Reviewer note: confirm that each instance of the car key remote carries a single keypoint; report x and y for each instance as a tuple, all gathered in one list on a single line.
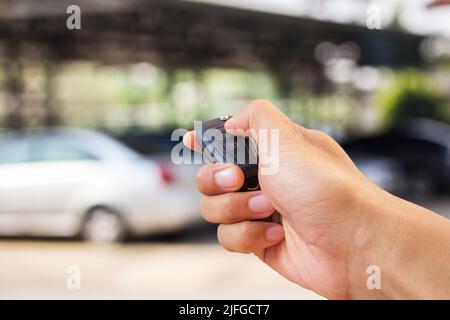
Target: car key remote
[(218, 146)]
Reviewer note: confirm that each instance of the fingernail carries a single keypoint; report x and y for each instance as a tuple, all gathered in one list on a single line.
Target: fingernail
[(275, 233), (225, 178), (259, 203)]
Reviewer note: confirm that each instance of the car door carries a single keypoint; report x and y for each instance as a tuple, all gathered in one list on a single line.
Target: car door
[(61, 165), (39, 189), (14, 159)]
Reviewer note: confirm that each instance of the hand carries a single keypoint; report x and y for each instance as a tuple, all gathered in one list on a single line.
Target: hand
[(329, 209), (314, 191)]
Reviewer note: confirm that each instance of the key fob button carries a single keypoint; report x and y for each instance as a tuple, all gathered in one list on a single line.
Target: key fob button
[(221, 147)]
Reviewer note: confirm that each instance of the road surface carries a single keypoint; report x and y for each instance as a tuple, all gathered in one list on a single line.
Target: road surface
[(186, 267), (45, 269)]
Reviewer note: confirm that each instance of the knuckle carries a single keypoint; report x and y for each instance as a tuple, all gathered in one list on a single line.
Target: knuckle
[(294, 130), (259, 104), (204, 209), (228, 207), (223, 209), (203, 179), (247, 237), (199, 177), (221, 238), (204, 171), (324, 142), (320, 135), (241, 243)]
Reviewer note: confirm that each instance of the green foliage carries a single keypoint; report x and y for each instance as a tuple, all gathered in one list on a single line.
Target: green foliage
[(412, 96)]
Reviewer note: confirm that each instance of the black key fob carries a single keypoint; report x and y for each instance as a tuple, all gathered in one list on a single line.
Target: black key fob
[(218, 146)]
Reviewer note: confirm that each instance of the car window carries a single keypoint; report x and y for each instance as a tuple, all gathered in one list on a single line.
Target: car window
[(14, 149), (58, 148)]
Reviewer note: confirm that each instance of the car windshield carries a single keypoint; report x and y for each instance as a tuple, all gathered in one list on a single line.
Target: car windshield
[(58, 148), (99, 145), (62, 144), (14, 149)]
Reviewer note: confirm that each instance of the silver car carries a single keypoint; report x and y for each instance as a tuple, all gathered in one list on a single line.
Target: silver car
[(69, 182)]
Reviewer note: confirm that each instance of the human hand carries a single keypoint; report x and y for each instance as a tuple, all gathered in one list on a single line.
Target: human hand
[(330, 211)]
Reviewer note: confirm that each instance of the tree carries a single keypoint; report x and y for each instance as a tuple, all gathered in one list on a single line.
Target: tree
[(412, 96)]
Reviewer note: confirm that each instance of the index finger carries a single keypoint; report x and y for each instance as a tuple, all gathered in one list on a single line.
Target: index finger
[(190, 141)]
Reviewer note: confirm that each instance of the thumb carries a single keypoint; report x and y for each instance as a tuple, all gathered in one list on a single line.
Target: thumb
[(270, 129), (259, 114)]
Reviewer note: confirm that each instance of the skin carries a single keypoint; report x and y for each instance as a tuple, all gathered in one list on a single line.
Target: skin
[(335, 222)]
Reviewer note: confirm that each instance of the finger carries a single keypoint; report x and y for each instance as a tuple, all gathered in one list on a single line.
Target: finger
[(260, 114), (235, 207), (249, 236), (219, 178), (190, 141), (272, 131)]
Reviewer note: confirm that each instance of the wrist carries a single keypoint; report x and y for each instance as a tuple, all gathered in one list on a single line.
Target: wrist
[(400, 243), (371, 236)]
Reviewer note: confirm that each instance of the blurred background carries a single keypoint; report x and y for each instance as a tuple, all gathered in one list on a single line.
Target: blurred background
[(91, 205)]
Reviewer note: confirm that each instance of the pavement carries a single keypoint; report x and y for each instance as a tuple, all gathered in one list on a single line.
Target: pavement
[(45, 270), (185, 266)]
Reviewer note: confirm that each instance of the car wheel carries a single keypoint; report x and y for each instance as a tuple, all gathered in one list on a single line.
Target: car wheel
[(103, 226)]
